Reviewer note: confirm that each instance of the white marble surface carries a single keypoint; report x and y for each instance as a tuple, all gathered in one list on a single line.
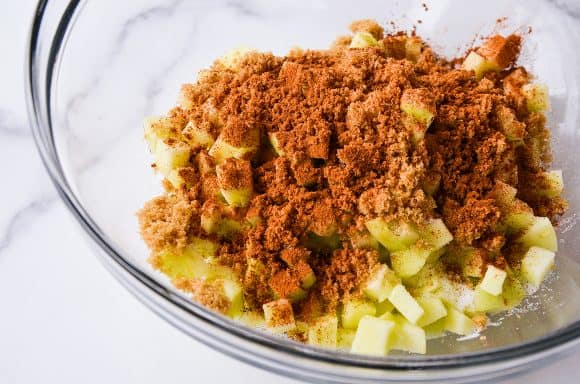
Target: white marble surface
[(64, 319)]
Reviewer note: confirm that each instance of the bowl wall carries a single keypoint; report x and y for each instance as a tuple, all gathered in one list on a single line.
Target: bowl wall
[(114, 63)]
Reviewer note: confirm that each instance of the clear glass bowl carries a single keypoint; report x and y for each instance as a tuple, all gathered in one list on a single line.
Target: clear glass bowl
[(95, 69)]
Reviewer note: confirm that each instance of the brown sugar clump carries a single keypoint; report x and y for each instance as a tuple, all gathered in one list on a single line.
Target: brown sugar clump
[(326, 140)]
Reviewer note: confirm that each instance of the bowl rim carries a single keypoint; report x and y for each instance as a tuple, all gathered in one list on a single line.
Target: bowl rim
[(38, 98)]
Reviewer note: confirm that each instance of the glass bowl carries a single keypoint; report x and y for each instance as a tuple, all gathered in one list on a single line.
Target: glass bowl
[(96, 68)]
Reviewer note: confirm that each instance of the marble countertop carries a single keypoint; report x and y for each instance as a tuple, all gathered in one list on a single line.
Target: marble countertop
[(64, 318)]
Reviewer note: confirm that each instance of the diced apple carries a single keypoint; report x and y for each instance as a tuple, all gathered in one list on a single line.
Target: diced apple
[(381, 283), (437, 234), (408, 337), (473, 263), (536, 264), (197, 137), (321, 243), (406, 304), (372, 336), (433, 308), (221, 150), (170, 157), (513, 292), (364, 240), (275, 143), (233, 292), (214, 220), (413, 47), (324, 332), (517, 221), (540, 234), (384, 307), (537, 97), (345, 338), (493, 280), (279, 316), (457, 322), (476, 63), (174, 264), (419, 104), (252, 319), (285, 284), (408, 262), (393, 236), (552, 183), (363, 40), (354, 310), (435, 330), (304, 273), (501, 51), (483, 301), (513, 129)]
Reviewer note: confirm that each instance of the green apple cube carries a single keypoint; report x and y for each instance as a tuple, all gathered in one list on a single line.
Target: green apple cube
[(345, 338), (536, 264), (437, 234), (552, 184), (275, 143), (413, 47), (354, 310), (408, 337), (304, 273), (406, 304), (493, 280), (279, 316), (419, 105), (433, 308), (197, 137), (381, 283), (175, 265), (158, 129), (364, 240), (408, 262), (237, 197), (483, 301), (540, 234), (205, 248), (324, 332), (252, 319), (513, 292), (457, 322), (213, 222), (384, 307), (513, 129), (473, 263), (504, 194), (221, 150), (431, 184), (435, 330), (372, 336), (363, 40), (233, 292), (169, 157), (518, 221), (537, 97), (321, 243), (393, 236), (480, 66)]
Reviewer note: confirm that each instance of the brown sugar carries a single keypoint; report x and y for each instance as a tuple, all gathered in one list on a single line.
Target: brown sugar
[(345, 153)]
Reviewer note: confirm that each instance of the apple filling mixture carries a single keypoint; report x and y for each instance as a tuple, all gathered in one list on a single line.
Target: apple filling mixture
[(367, 197)]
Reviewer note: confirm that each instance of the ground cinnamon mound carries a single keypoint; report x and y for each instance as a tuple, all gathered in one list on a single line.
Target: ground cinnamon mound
[(348, 157)]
